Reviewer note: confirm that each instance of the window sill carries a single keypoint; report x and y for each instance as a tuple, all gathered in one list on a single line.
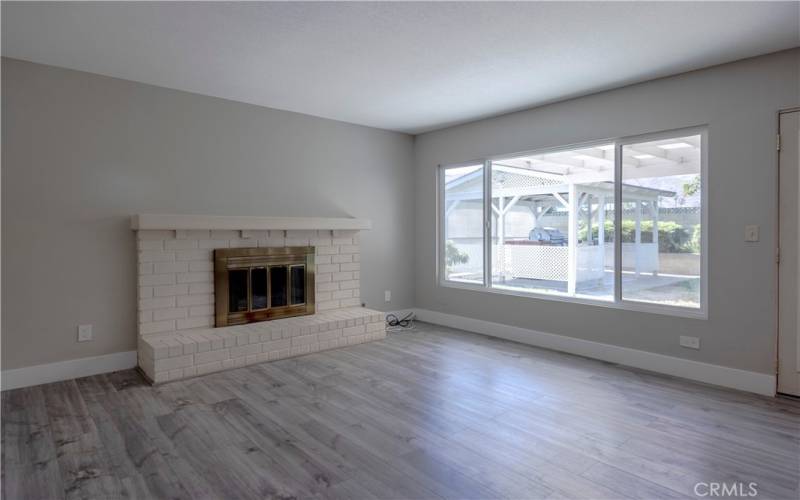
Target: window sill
[(625, 305)]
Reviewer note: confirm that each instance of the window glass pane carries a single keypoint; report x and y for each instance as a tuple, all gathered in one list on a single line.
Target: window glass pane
[(553, 223), (278, 286), (463, 224), (258, 282), (237, 290), (661, 221)]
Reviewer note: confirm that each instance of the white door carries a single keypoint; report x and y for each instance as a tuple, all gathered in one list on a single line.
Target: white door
[(788, 269)]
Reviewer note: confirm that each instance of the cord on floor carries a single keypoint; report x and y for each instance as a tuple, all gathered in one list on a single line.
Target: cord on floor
[(395, 324)]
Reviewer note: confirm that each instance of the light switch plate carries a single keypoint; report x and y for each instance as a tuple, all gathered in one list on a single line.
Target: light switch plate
[(84, 333), (387, 296), (751, 233)]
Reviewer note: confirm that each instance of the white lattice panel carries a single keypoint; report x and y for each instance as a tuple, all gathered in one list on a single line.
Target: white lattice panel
[(540, 262)]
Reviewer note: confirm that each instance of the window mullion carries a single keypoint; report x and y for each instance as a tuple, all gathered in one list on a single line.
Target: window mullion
[(441, 225), (617, 222), (487, 224)]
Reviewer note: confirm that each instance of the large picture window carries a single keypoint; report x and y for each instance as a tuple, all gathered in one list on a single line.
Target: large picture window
[(546, 223)]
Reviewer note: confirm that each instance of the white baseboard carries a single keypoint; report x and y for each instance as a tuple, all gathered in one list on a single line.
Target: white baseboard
[(83, 367), (66, 370), (759, 383), (734, 378)]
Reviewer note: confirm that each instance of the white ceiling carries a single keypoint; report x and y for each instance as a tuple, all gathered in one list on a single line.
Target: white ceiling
[(410, 67)]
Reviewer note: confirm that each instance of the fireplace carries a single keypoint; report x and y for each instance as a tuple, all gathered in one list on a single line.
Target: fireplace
[(198, 307), (260, 284)]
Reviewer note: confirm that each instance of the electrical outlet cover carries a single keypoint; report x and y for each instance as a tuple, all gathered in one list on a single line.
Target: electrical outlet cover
[(690, 342), (84, 333)]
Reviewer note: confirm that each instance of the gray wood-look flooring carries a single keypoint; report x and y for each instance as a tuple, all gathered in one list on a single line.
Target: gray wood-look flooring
[(433, 413)]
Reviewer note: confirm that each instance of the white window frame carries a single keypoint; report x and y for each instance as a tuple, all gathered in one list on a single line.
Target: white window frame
[(441, 226), (618, 302)]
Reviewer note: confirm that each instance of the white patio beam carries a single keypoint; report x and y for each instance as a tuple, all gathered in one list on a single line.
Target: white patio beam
[(511, 203), (641, 149), (555, 191), (654, 205), (682, 155), (694, 140), (500, 167), (539, 212), (452, 206), (601, 231), (572, 241), (594, 153), (577, 177), (501, 233), (561, 198), (588, 199), (562, 160), (638, 234), (464, 178), (593, 176), (658, 170)]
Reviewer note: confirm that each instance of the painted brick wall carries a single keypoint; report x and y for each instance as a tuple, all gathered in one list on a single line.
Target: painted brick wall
[(176, 272)]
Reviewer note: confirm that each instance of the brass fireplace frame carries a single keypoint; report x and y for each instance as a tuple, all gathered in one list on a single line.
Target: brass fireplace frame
[(226, 259)]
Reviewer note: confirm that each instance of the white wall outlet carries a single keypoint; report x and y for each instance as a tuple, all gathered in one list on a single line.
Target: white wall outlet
[(751, 233), (690, 342), (84, 333), (387, 296)]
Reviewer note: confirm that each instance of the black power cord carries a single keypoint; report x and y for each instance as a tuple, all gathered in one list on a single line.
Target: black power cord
[(395, 324)]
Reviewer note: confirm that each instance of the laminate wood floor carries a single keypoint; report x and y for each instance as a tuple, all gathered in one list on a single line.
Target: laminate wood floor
[(434, 413)]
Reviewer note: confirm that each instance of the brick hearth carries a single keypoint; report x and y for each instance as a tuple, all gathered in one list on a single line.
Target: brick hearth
[(177, 338)]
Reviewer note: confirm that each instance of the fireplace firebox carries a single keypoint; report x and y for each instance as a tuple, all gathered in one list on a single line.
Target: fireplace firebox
[(260, 284)]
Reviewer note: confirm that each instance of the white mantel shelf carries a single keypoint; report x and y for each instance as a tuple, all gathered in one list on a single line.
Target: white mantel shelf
[(186, 222)]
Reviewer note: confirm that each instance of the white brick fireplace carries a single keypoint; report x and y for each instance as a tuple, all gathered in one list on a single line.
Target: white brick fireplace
[(177, 338)]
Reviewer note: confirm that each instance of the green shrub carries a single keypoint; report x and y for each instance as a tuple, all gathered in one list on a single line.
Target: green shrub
[(696, 235), (454, 256), (672, 237)]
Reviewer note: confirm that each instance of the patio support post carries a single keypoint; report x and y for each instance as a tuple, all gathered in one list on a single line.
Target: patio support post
[(572, 240), (501, 235), (539, 212), (638, 234), (655, 232), (601, 232), (589, 218), (501, 210)]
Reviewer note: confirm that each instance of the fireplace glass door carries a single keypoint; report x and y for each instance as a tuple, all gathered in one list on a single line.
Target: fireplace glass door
[(259, 284)]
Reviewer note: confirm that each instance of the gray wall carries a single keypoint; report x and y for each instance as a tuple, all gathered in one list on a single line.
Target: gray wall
[(738, 101), (82, 152)]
